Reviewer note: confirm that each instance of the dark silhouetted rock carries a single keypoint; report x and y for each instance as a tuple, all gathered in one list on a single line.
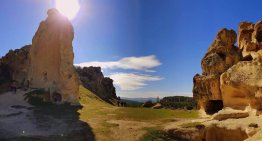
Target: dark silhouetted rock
[(93, 79)]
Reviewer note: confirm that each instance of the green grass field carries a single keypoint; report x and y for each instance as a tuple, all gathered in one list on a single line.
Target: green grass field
[(142, 114), (97, 113)]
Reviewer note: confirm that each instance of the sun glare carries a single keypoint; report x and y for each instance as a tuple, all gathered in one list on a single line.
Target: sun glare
[(68, 8)]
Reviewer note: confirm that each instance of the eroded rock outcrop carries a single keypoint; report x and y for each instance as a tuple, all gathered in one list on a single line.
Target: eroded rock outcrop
[(14, 65), (250, 38), (51, 58), (93, 79), (229, 77), (221, 55), (48, 62)]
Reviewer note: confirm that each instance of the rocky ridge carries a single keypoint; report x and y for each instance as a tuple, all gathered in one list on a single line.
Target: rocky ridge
[(93, 79)]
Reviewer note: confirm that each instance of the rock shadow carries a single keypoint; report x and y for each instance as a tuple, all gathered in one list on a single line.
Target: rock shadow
[(52, 122)]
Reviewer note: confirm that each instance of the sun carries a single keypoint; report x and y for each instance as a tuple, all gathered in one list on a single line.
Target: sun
[(68, 8)]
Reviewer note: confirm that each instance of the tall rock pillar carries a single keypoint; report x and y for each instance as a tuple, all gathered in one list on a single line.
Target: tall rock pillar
[(51, 58)]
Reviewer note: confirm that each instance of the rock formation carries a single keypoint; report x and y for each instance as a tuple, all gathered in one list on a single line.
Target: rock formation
[(93, 79), (221, 55), (51, 58), (232, 76), (14, 65), (48, 62)]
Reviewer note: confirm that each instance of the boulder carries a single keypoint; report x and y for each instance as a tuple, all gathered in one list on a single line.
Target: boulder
[(230, 114), (222, 54), (230, 74), (241, 85), (157, 106)]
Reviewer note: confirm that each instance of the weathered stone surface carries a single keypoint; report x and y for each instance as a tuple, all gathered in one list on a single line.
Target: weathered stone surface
[(51, 58), (241, 85), (207, 87), (225, 37), (227, 76), (221, 55), (230, 114), (93, 79), (244, 39), (250, 37)]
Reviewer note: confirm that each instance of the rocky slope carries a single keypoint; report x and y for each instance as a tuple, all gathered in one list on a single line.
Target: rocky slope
[(93, 79), (231, 76)]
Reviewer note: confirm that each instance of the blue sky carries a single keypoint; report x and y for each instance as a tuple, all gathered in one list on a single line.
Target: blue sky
[(149, 47)]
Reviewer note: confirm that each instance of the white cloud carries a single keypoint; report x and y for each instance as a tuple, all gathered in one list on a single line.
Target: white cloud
[(131, 81), (144, 63)]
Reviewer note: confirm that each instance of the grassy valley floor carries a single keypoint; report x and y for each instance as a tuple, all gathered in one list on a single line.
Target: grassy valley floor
[(94, 120), (127, 124)]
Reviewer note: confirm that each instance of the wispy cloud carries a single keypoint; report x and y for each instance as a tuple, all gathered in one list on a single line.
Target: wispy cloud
[(144, 63), (131, 81)]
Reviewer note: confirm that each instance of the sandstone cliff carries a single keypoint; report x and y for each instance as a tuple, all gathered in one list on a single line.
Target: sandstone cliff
[(93, 79), (232, 76)]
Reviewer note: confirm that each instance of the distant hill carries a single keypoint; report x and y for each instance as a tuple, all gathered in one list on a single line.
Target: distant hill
[(130, 103), (142, 100), (178, 102)]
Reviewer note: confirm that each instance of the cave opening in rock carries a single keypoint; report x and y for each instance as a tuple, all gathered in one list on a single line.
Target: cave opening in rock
[(213, 106), (57, 97), (259, 36), (247, 58)]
